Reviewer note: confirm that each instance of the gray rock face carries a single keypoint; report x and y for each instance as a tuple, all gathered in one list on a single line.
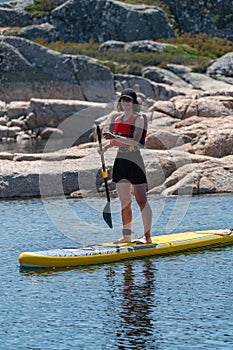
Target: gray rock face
[(222, 68), (41, 64), (197, 16), (135, 46), (84, 20), (30, 70), (14, 18), (164, 76), (45, 31), (203, 81), (169, 173), (112, 44), (145, 46)]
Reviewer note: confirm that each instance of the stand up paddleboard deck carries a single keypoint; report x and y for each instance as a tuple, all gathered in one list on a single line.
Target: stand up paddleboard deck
[(110, 252)]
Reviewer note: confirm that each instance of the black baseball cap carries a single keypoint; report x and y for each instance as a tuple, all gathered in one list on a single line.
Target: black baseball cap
[(130, 93)]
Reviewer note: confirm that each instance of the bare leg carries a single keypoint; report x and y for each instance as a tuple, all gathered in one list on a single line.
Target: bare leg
[(124, 193), (141, 198)]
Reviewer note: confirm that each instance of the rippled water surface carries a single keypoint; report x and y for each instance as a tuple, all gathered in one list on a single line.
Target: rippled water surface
[(181, 301)]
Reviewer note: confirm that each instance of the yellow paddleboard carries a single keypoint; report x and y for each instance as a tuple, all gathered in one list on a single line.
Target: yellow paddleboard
[(109, 252)]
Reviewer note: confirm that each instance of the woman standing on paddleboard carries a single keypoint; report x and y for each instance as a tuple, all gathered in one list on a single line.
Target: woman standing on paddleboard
[(129, 132)]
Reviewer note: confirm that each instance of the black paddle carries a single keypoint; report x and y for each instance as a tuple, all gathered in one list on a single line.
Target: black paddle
[(107, 211)]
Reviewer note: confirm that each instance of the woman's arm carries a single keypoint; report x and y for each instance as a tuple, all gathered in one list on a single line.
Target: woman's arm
[(105, 147)]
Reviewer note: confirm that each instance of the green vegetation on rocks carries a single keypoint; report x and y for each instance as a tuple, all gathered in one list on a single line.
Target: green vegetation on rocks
[(41, 8), (196, 52)]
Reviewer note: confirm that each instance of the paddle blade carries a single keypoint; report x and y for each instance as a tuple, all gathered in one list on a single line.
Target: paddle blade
[(107, 215)]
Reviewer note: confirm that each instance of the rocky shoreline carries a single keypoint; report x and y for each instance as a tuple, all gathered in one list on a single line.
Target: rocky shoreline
[(76, 172), (188, 147), (46, 95)]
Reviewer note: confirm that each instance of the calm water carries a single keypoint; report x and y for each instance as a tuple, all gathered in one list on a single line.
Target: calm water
[(181, 301)]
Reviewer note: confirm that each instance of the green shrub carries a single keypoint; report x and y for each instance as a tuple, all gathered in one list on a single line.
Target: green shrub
[(206, 45), (41, 8)]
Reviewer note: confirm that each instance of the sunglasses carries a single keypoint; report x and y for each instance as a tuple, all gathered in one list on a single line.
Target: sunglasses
[(126, 99)]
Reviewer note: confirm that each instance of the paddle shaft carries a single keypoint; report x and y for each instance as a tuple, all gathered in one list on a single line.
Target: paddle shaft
[(103, 162)]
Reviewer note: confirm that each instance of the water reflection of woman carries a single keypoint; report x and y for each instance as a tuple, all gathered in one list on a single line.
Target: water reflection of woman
[(137, 303)]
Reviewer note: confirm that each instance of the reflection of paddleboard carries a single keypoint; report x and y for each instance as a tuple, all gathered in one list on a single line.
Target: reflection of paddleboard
[(109, 252)]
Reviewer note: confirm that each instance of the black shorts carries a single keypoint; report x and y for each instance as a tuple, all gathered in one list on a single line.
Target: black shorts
[(129, 167)]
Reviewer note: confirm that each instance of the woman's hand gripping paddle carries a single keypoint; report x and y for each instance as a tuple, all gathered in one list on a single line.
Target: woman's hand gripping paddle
[(107, 210)]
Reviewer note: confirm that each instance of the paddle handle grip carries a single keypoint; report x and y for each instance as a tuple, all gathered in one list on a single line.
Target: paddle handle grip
[(101, 147)]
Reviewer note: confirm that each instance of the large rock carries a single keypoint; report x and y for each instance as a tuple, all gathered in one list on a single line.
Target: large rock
[(222, 68), (30, 70), (204, 126), (179, 174), (45, 31), (197, 16), (16, 109), (146, 87), (25, 176), (186, 107), (85, 20), (200, 81), (215, 143), (14, 18), (209, 136), (73, 119), (145, 46), (131, 81), (164, 76), (53, 112), (165, 139)]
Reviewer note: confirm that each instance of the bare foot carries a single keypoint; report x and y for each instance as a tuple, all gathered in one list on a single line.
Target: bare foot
[(144, 240), (124, 239)]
